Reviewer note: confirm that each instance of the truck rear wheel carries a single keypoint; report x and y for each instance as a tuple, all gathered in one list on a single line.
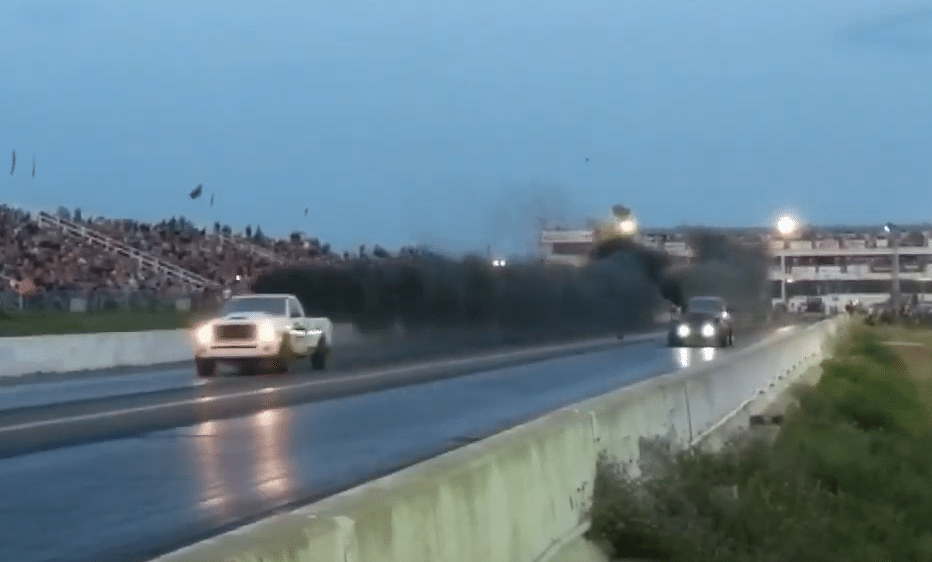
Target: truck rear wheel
[(320, 356), (205, 368)]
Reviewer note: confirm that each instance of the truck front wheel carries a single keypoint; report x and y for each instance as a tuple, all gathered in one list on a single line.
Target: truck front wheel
[(206, 368)]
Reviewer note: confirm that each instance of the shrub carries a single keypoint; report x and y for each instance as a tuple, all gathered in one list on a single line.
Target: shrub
[(848, 478)]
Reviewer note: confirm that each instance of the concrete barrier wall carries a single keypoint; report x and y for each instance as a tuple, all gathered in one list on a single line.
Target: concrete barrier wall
[(520, 495), (78, 352)]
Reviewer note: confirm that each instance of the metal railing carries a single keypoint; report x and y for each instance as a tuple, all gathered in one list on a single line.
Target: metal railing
[(144, 259), (252, 248)]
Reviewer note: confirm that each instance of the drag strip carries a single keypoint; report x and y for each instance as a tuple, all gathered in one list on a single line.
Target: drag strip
[(30, 429), (59, 388), (126, 500), (131, 499)]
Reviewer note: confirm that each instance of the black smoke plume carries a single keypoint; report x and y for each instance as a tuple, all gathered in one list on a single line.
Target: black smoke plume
[(622, 287), (728, 269)]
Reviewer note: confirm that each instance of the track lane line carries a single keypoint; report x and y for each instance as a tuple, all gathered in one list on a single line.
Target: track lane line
[(449, 363)]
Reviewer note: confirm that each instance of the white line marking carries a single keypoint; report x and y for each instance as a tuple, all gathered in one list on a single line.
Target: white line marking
[(310, 384)]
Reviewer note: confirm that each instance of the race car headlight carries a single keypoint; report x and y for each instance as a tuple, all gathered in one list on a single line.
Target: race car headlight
[(708, 330), (204, 334), (682, 331), (266, 332)]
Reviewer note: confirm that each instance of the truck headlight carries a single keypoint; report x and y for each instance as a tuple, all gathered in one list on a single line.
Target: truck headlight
[(266, 332), (708, 330), (204, 334), (683, 330)]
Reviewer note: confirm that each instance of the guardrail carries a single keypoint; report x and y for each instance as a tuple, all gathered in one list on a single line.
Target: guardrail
[(522, 494), (66, 353), (105, 300), (80, 352)]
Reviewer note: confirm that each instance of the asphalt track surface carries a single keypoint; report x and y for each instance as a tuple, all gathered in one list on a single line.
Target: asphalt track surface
[(130, 488)]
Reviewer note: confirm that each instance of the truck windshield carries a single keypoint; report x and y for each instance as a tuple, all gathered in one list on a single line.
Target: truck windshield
[(273, 306), (710, 305)]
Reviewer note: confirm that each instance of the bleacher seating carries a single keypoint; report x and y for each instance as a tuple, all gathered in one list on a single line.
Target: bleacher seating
[(58, 251), (144, 259)]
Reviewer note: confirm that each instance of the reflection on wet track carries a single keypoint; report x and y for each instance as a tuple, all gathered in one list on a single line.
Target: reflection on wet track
[(273, 472), (269, 464), (213, 492), (686, 356), (130, 499)]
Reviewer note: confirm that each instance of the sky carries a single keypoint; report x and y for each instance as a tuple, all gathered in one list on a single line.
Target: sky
[(460, 124)]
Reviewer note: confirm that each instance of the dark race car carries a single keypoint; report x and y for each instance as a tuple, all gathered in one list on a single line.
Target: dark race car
[(705, 322)]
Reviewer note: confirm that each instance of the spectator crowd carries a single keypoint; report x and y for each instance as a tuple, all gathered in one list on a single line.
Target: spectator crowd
[(39, 256)]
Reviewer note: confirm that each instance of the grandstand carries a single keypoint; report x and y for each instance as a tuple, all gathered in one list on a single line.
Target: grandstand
[(43, 252), (834, 265), (843, 264)]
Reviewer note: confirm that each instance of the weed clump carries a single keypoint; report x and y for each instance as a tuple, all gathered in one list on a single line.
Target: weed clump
[(848, 478)]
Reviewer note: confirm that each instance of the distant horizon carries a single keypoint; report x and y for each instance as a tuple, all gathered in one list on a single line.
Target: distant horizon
[(644, 230)]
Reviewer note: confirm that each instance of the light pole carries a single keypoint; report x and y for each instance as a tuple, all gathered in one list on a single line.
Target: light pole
[(785, 226), (890, 229)]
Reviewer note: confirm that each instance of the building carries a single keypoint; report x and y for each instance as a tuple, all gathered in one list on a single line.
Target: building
[(566, 247), (835, 264), (572, 246), (839, 265)]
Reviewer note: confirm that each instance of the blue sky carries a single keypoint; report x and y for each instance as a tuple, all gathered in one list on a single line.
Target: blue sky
[(459, 123)]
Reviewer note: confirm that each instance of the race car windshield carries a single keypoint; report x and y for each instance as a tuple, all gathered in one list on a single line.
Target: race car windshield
[(274, 307), (704, 305)]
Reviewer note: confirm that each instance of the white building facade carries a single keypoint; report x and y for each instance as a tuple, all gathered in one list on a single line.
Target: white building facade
[(572, 247), (844, 267), (834, 265)]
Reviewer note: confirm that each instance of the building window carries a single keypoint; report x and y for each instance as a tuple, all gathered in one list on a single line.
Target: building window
[(571, 248)]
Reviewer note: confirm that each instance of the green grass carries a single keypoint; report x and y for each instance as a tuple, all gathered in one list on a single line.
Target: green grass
[(48, 323), (849, 477)]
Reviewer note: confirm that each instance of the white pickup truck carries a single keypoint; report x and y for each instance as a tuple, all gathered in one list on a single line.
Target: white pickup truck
[(262, 332)]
